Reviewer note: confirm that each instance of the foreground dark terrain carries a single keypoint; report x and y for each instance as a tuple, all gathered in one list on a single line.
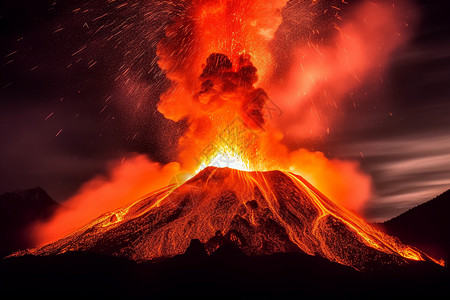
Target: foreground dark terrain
[(228, 272)]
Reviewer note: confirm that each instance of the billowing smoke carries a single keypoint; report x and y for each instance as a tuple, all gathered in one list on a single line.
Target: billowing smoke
[(204, 27), (125, 182), (324, 69), (225, 86), (220, 59), (308, 62)]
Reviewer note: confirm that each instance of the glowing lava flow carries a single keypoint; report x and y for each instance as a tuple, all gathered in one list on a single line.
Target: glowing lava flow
[(262, 212), (371, 237)]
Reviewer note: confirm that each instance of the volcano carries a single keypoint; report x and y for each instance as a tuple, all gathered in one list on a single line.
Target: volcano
[(260, 212)]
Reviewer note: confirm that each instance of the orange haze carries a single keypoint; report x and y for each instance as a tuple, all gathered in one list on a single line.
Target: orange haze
[(125, 182), (323, 73)]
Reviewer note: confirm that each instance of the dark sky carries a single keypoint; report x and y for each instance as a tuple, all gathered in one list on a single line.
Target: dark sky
[(64, 115)]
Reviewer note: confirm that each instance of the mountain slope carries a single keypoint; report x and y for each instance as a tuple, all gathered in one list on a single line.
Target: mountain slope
[(262, 212), (426, 226)]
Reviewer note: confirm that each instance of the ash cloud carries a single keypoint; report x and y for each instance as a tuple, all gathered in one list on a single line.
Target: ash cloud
[(224, 83)]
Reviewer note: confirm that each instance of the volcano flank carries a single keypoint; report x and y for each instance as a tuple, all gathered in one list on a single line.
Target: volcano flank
[(260, 212)]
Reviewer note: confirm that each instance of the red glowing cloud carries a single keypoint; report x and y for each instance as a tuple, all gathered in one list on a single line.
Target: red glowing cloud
[(322, 73), (342, 181), (126, 181)]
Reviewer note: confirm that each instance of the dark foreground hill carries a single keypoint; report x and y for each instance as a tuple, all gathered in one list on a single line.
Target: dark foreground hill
[(226, 273), (426, 226)]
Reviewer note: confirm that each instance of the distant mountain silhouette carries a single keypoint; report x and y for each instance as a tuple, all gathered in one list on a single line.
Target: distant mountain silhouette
[(19, 210), (426, 226)]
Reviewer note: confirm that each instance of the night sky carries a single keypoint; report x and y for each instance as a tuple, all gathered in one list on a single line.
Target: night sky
[(64, 114)]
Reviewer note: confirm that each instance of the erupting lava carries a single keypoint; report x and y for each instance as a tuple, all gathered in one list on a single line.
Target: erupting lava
[(218, 57), (262, 212)]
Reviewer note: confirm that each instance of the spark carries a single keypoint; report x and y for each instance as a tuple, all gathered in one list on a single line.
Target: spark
[(80, 50), (49, 116)]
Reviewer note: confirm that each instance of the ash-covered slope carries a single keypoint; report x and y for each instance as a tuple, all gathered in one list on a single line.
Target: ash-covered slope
[(262, 212)]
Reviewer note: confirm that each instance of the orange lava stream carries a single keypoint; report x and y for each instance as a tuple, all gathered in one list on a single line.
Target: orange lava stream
[(371, 237)]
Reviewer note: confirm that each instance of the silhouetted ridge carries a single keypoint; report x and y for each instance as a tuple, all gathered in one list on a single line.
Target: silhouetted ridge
[(196, 249), (426, 226), (229, 273), (19, 210)]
